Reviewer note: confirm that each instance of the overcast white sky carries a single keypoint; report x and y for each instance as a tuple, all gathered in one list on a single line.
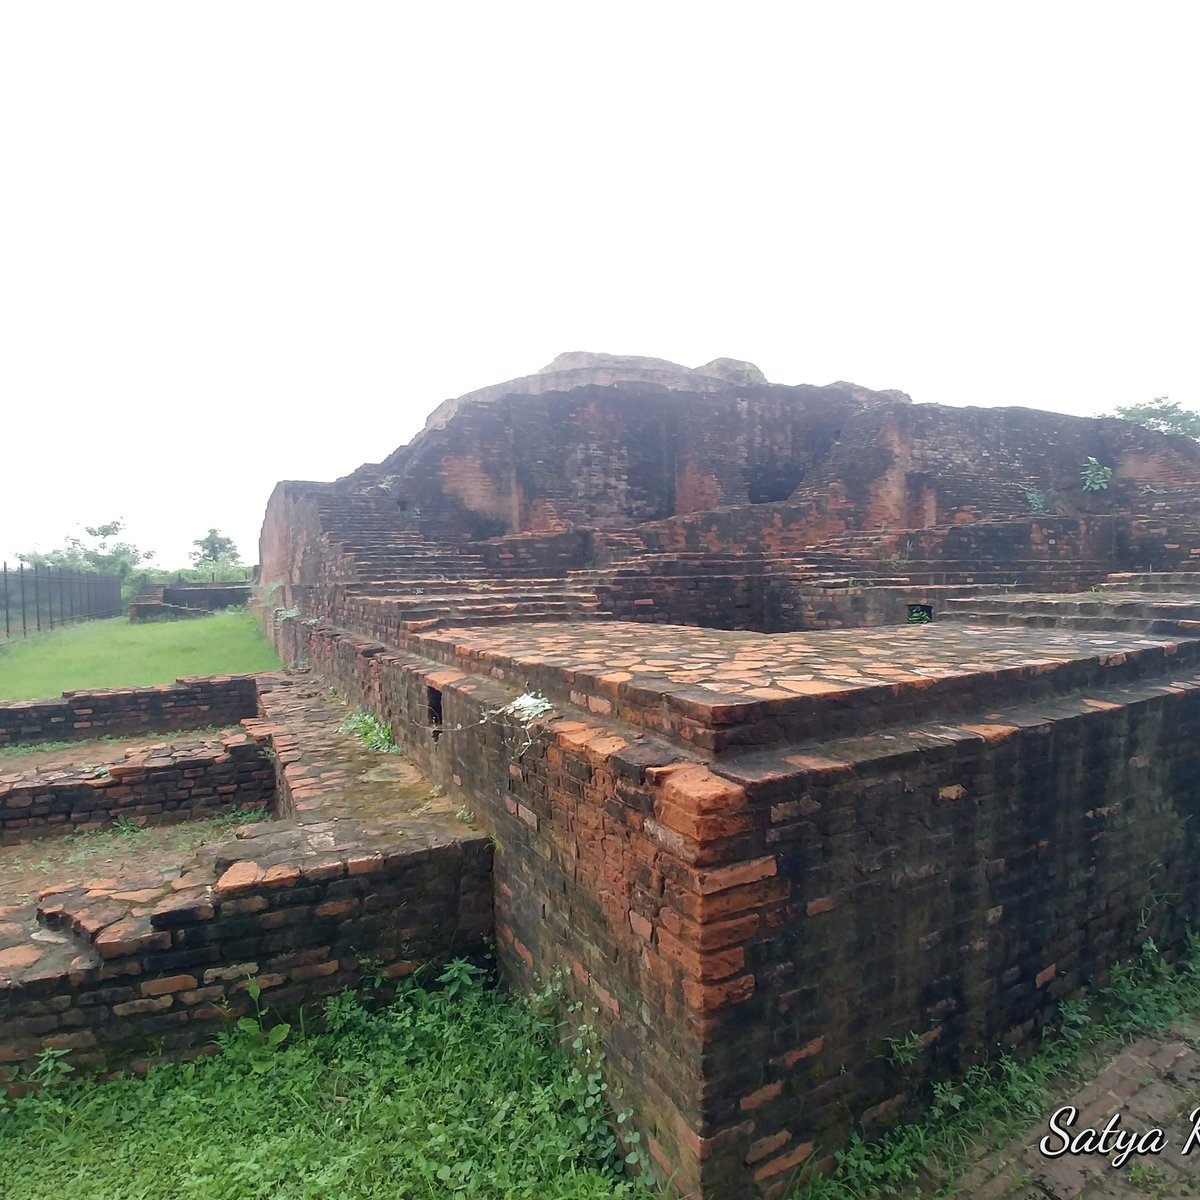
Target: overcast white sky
[(243, 242)]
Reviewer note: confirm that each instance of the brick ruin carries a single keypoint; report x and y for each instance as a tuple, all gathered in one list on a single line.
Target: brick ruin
[(769, 824), (356, 870), (651, 625), (185, 601)]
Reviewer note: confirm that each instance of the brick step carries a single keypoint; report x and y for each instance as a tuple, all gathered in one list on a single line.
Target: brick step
[(1151, 627), (405, 576), (1148, 587), (385, 624), (1044, 668), (872, 756), (385, 550), (1150, 580), (476, 603), (452, 619), (398, 600), (1086, 605), (466, 586), (416, 569), (842, 582)]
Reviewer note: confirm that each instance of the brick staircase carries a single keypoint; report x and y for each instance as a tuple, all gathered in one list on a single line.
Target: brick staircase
[(387, 579), (1150, 603)]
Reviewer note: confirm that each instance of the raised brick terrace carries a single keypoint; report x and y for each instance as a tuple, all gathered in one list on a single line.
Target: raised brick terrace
[(720, 691)]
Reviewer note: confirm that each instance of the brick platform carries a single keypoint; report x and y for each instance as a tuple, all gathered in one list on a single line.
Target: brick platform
[(759, 858)]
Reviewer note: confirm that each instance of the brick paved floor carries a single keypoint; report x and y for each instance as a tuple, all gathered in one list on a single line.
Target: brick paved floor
[(1154, 1083)]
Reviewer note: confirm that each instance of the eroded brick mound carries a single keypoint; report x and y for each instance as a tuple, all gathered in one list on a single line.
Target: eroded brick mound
[(599, 457)]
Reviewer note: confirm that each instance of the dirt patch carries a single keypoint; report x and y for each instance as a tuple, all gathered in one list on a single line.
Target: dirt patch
[(77, 858)]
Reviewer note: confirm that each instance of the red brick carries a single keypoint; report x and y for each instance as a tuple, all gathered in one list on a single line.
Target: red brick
[(713, 996), (280, 875), (763, 1095), (767, 1145), (792, 1057), (238, 878), (640, 926), (163, 987), (697, 790), (786, 1162)]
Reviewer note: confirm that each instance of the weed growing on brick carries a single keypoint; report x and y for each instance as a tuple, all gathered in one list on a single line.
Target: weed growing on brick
[(456, 1092), (995, 1100), (370, 730)]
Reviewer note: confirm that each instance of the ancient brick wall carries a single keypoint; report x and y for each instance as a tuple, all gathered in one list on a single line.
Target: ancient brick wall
[(168, 967), (548, 553), (152, 786), (785, 528), (580, 865), (718, 594), (949, 897), (187, 704), (291, 549), (910, 466), (609, 457), (209, 596)]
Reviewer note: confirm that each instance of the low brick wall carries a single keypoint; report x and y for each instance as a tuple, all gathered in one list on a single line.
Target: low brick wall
[(141, 611), (156, 786), (185, 704), (208, 596), (728, 597), (790, 605), (167, 967)]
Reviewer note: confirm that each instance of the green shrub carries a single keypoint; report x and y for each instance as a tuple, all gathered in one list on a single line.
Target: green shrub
[(1094, 477)]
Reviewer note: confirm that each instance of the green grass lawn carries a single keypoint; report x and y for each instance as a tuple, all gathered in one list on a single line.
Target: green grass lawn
[(116, 653), (459, 1092)]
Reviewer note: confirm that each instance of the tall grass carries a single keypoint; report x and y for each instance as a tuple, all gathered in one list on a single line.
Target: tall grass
[(458, 1092)]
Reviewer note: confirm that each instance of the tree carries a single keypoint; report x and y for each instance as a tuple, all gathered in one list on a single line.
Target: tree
[(213, 549), (105, 555), (1163, 415)]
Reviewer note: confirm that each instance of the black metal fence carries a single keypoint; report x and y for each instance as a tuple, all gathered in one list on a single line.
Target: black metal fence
[(37, 598)]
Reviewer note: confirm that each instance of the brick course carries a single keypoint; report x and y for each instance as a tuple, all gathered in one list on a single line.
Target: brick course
[(185, 704), (156, 785)]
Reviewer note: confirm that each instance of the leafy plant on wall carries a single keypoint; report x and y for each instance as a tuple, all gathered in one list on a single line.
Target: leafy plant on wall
[(1093, 476)]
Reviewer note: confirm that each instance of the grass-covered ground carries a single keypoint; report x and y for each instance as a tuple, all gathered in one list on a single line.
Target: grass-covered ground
[(454, 1092), (460, 1091), (116, 653)]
